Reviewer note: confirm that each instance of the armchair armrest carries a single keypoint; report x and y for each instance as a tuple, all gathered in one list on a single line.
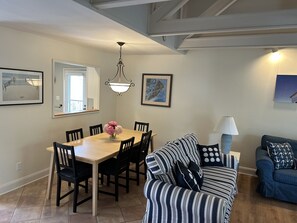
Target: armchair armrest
[(169, 203), (265, 170), (230, 161), (264, 163)]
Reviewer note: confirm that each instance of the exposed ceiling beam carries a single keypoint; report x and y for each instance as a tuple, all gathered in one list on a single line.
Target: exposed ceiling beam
[(167, 10), (107, 4), (277, 20), (267, 40), (218, 7)]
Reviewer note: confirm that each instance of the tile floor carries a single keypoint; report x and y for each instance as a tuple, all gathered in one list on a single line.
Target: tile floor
[(28, 204)]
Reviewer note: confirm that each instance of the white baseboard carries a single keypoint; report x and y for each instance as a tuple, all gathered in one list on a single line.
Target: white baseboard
[(247, 170), (15, 184)]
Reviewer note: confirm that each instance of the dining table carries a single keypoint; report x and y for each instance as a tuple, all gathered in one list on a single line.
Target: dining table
[(94, 150)]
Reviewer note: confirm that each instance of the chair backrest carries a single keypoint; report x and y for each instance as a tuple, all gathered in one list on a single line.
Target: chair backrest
[(96, 129), (74, 134), (144, 144), (65, 158), (141, 126), (123, 157)]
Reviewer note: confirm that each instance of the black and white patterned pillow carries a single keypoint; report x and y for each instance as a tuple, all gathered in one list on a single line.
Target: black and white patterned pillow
[(281, 154), (210, 155), (197, 172), (185, 178)]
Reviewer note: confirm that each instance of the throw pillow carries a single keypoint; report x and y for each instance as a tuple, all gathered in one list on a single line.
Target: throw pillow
[(197, 172), (185, 178), (210, 155), (281, 154)]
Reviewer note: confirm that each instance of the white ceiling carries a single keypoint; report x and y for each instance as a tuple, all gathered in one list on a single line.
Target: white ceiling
[(178, 24), (70, 21)]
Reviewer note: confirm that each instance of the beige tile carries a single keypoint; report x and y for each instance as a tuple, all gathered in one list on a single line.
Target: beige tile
[(110, 215), (80, 218), (26, 214), (6, 215), (54, 211), (59, 219), (133, 213), (31, 201)]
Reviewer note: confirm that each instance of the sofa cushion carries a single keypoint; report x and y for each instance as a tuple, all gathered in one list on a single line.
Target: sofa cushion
[(281, 154), (269, 138), (221, 174), (188, 145), (197, 172), (161, 162), (210, 155), (185, 178), (286, 176)]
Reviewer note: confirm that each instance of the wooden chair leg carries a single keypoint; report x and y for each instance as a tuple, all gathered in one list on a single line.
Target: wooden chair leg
[(58, 191), (86, 186), (127, 180), (75, 195), (108, 180), (137, 173), (145, 170), (116, 187)]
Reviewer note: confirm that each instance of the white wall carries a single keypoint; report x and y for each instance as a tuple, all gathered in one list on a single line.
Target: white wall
[(208, 84), (27, 130)]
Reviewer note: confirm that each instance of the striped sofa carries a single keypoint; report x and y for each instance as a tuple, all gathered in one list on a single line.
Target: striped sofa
[(167, 202)]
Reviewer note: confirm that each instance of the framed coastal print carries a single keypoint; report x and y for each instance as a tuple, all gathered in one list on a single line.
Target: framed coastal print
[(20, 87), (156, 89), (286, 88)]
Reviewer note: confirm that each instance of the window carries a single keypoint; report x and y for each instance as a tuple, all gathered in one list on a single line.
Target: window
[(75, 90)]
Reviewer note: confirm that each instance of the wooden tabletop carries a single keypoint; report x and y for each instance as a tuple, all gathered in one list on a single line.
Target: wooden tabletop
[(98, 148)]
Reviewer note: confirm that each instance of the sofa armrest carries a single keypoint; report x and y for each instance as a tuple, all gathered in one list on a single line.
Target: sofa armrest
[(264, 163), (265, 170), (169, 203), (230, 161)]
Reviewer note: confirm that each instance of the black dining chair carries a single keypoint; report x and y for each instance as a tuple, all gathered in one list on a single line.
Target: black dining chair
[(74, 134), (96, 129), (141, 126), (68, 169), (138, 155), (116, 166)]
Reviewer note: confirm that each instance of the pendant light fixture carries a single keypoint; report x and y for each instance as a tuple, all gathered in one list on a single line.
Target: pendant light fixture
[(119, 83)]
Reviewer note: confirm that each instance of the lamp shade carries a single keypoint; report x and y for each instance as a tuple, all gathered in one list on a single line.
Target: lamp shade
[(227, 126)]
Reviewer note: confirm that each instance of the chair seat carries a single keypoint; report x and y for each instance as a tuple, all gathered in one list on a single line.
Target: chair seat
[(108, 166), (286, 176), (83, 172)]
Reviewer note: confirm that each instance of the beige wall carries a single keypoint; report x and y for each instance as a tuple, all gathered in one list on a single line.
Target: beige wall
[(208, 84), (26, 130)]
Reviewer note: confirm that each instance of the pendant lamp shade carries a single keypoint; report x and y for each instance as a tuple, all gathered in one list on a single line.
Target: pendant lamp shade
[(119, 83)]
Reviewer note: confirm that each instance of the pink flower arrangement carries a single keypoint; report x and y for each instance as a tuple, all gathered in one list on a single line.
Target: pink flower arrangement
[(112, 128)]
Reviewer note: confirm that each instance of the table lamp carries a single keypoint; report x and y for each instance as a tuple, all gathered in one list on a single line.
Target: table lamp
[(228, 128)]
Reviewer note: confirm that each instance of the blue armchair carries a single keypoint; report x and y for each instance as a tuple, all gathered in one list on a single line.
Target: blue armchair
[(279, 184)]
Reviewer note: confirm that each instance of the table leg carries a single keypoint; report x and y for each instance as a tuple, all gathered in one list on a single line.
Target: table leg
[(95, 189), (50, 177)]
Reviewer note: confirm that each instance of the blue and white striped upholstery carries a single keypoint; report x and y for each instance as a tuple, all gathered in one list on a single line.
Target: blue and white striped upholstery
[(188, 144), (220, 190), (168, 203), (161, 162), (229, 161), (221, 174)]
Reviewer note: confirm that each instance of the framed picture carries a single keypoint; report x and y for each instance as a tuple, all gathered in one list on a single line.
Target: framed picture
[(156, 89), (21, 86), (286, 88)]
